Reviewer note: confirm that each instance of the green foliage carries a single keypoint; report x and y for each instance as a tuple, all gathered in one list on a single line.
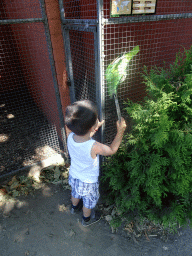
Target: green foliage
[(151, 174), (116, 72)]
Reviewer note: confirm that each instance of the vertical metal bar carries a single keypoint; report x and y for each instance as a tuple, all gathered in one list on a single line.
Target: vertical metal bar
[(69, 64), (66, 39), (99, 45), (97, 79), (52, 62), (62, 11)]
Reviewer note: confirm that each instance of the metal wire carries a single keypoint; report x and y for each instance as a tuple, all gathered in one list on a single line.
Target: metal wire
[(163, 7), (82, 51), (150, 18), (29, 118), (160, 36), (20, 9), (80, 9), (159, 42)]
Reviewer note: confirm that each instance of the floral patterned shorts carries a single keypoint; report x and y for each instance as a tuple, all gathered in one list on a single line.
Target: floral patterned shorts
[(89, 192)]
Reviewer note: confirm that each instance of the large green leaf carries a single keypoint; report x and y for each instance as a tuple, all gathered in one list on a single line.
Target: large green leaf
[(116, 72)]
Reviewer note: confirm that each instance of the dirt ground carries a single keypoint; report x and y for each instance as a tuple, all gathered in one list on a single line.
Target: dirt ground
[(40, 224)]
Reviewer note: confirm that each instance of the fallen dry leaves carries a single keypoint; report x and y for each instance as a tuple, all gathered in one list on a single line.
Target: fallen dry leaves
[(23, 185), (135, 228)]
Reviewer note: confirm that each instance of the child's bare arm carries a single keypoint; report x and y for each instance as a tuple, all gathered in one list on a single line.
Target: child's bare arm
[(104, 150)]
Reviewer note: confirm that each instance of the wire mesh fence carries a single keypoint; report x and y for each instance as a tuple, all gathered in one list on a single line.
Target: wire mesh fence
[(29, 119), (80, 9), (20, 9), (83, 59), (159, 42), (81, 53), (163, 7), (159, 36)]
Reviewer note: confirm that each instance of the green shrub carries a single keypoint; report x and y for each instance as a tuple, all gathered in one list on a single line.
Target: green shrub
[(151, 174)]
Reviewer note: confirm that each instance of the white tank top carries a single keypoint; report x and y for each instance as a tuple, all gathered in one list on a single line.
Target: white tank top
[(83, 166)]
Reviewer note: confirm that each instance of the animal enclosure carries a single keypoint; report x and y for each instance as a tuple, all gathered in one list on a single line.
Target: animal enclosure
[(30, 122), (32, 92), (94, 38)]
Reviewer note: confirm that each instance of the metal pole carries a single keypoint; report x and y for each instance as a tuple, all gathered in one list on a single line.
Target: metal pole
[(69, 67), (79, 21), (100, 88), (20, 21), (142, 18)]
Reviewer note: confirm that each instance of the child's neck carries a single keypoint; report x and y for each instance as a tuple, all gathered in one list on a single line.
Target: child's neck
[(83, 138)]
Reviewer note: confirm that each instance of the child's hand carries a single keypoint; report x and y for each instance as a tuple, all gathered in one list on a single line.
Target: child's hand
[(121, 126), (99, 125)]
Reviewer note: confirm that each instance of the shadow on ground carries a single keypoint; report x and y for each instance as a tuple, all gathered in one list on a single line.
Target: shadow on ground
[(26, 136)]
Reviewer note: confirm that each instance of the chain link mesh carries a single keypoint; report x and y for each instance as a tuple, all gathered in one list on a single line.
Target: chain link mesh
[(80, 9), (163, 7), (159, 41), (159, 36), (20, 9), (29, 120), (83, 60)]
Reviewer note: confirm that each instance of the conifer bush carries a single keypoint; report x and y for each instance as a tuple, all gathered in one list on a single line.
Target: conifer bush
[(151, 174)]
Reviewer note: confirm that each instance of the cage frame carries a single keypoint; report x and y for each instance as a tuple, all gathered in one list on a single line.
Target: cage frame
[(44, 21), (99, 23)]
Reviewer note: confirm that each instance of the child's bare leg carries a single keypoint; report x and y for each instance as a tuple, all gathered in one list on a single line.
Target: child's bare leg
[(75, 201), (89, 217), (86, 212)]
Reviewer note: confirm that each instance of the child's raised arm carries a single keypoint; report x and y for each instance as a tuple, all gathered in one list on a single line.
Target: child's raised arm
[(104, 150)]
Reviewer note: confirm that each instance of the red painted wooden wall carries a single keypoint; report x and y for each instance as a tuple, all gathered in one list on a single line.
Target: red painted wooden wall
[(30, 43)]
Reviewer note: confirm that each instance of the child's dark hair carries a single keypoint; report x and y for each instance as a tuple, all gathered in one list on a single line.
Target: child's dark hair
[(81, 116)]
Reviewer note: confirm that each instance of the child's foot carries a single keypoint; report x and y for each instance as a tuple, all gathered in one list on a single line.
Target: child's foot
[(95, 217), (77, 208)]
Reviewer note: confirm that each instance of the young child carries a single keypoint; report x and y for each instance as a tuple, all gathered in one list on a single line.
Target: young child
[(81, 119)]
